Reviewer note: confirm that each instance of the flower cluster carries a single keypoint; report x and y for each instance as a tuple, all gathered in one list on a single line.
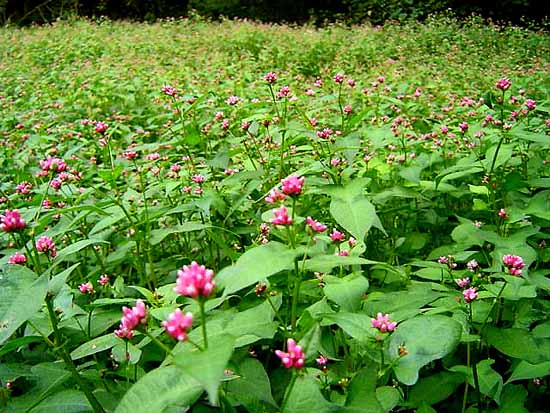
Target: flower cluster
[(470, 294), (383, 323), (293, 185), (132, 318), (281, 217), (316, 226), (17, 258), (294, 356), (11, 221), (86, 288), (46, 245), (514, 263), (503, 84), (178, 324), (195, 280)]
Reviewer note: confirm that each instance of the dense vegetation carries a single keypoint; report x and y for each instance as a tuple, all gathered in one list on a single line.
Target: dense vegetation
[(294, 219)]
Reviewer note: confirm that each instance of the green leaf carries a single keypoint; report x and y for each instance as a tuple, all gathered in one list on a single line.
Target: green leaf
[(353, 211), (76, 247), (525, 370), (426, 338), (207, 367), (306, 397), (252, 388), (158, 235), (347, 292), (357, 325), (66, 401), (513, 399), (388, 397), (325, 263), (256, 265), (95, 346), (435, 388), (362, 391), (159, 389), (21, 297), (14, 344), (490, 382), (520, 344)]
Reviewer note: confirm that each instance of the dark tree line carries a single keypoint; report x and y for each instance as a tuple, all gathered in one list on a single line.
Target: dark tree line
[(375, 11)]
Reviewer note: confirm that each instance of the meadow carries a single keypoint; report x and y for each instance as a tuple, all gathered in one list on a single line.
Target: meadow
[(242, 217)]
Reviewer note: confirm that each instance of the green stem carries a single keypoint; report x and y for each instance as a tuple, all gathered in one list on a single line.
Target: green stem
[(159, 343), (203, 323), (474, 368), (61, 349), (288, 391)]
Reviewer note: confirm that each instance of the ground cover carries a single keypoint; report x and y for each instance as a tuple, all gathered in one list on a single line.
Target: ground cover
[(294, 219)]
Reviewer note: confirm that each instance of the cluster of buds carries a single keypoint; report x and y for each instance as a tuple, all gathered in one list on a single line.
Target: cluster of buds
[(316, 226), (514, 263), (11, 221), (178, 324), (383, 323), (448, 260), (46, 245), (470, 294), (294, 356), (195, 280), (132, 318)]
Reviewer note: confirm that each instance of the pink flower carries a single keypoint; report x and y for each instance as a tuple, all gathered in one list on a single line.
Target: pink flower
[(338, 78), (131, 319), (178, 324), (103, 280), (292, 185), (469, 294), (198, 179), (463, 126), (270, 77), (46, 245), (274, 196), (343, 253), (232, 100), (503, 84), (218, 116), (472, 265), (336, 235), (281, 217), (11, 221), (152, 156), (101, 127), (284, 92), (229, 172), (383, 323), (293, 357), (462, 282), (418, 92), (530, 104), (443, 260), (56, 183), (502, 213), (53, 164), (86, 288), (195, 280), (130, 155), (169, 90), (348, 109), (315, 225), (351, 83), (225, 124), (514, 263), (321, 361), (325, 133), (23, 188), (318, 83), (17, 258), (352, 242)]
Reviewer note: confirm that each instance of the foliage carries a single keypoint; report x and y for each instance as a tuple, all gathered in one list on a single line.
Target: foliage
[(367, 207)]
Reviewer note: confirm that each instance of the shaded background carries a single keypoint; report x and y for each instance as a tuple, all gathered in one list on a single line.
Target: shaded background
[(300, 11)]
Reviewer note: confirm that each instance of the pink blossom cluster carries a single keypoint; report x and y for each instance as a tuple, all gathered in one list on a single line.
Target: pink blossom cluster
[(503, 84), (270, 77), (23, 188), (178, 324), (103, 280), (132, 318), (294, 356), (101, 127), (463, 282), (169, 90), (11, 221), (383, 323), (470, 294), (281, 217), (53, 164), (17, 258), (316, 226), (86, 288), (195, 280), (46, 245), (293, 185), (274, 196), (514, 263)]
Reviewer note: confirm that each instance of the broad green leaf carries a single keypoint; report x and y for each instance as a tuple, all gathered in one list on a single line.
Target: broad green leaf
[(388, 397), (255, 265), (58, 281), (95, 346), (520, 344), (325, 263), (66, 401), (435, 388), (158, 235), (14, 344), (306, 397), (362, 391), (76, 247), (513, 399), (347, 292), (252, 388), (162, 388), (21, 297), (357, 325), (354, 212), (490, 382), (525, 370), (440, 336), (207, 367)]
